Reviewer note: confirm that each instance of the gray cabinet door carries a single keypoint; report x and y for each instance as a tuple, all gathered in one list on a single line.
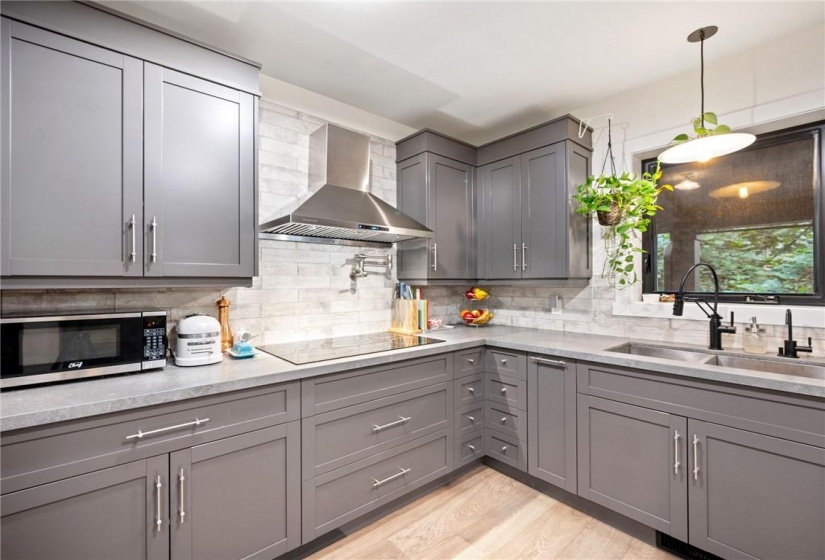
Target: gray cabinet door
[(199, 173), (72, 185), (630, 460), (237, 497), (544, 213), (501, 219), (414, 258), (111, 513), (551, 421), (451, 218), (755, 496)]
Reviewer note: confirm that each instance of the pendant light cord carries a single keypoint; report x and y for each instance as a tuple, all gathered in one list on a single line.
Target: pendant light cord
[(702, 73)]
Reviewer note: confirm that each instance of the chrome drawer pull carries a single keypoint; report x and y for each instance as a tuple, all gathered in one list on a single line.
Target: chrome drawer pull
[(471, 419), (141, 434), (524, 256), (472, 390), (555, 363), (154, 239), (158, 486), (472, 447), (503, 419), (504, 390), (515, 257), (401, 420), (504, 449), (390, 478), (695, 457), (181, 478), (676, 453), (435, 257), (503, 362), (472, 361)]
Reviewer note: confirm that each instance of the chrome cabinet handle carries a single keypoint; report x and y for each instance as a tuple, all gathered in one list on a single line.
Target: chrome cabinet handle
[(435, 256), (554, 363), (401, 420), (524, 256), (158, 486), (676, 453), (472, 447), (141, 434), (515, 257), (504, 449), (503, 362), (154, 225), (390, 478), (181, 479), (503, 419), (472, 361), (133, 226), (472, 390), (695, 457), (471, 419), (504, 390)]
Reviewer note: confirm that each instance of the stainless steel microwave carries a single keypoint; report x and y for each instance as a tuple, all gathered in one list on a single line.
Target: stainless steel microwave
[(45, 349)]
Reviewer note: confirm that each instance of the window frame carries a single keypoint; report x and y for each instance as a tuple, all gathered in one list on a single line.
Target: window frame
[(817, 131)]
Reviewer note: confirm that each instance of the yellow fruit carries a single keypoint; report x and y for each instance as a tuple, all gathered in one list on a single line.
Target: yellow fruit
[(479, 293)]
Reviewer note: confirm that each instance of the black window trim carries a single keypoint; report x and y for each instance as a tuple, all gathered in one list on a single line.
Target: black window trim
[(817, 130)]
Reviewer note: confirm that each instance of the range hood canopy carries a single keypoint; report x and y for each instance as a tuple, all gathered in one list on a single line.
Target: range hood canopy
[(339, 205)]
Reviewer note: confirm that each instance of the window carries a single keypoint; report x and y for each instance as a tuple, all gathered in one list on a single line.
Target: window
[(756, 215)]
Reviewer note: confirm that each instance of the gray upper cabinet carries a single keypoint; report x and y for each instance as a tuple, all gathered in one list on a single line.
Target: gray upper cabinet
[(551, 420), (199, 142), (755, 496), (117, 171), (72, 186), (529, 226), (438, 191), (119, 512)]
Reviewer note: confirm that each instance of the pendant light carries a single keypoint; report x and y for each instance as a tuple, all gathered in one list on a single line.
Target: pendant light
[(714, 144)]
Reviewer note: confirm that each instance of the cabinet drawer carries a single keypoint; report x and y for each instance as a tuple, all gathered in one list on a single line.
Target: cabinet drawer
[(506, 419), (340, 437), (469, 419), (506, 390), (469, 390), (785, 416), (331, 392), (469, 449), (504, 362), (468, 362), (506, 449), (45, 454), (342, 495)]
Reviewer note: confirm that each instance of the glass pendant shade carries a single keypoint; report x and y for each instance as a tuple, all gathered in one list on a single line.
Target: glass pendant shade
[(707, 147)]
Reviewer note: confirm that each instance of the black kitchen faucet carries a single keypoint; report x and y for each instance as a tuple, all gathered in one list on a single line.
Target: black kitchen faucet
[(716, 327), (790, 348)]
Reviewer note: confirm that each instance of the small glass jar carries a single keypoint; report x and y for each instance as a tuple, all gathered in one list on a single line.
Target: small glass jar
[(755, 341)]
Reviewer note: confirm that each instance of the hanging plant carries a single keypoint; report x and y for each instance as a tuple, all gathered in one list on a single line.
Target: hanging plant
[(701, 128), (624, 205)]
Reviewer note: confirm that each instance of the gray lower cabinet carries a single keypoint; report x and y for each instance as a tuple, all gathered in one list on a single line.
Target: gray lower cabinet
[(199, 177), (438, 192), (528, 225), (72, 160), (237, 497), (633, 460), (114, 513), (755, 496), (551, 420)]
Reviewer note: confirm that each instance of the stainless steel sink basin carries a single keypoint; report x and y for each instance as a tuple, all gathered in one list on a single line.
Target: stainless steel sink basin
[(785, 366), (769, 364), (695, 356)]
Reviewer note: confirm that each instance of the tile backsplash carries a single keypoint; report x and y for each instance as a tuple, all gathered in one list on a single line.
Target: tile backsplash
[(304, 290)]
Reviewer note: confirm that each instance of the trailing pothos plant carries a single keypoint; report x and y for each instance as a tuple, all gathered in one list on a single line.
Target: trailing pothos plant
[(624, 205), (701, 128)]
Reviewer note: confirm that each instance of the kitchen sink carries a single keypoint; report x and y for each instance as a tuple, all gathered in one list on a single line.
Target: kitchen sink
[(784, 366), (695, 356)]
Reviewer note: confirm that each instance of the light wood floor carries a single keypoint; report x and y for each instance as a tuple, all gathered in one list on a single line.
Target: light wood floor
[(487, 515)]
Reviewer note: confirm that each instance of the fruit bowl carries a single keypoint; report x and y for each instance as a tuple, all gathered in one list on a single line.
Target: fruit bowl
[(476, 317), (476, 294)]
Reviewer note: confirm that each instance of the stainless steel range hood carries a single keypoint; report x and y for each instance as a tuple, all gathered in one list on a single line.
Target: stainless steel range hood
[(339, 204)]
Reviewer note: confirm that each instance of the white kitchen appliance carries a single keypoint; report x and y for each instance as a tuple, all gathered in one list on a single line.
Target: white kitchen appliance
[(199, 341)]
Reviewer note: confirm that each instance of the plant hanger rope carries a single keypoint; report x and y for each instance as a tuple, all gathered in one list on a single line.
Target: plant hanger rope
[(609, 153)]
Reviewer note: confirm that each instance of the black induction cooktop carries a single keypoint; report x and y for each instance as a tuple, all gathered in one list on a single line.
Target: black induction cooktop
[(309, 351)]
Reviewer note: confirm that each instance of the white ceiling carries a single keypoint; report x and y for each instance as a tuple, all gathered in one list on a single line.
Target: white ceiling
[(475, 70)]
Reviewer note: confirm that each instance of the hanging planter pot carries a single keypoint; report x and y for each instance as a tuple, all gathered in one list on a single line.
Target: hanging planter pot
[(610, 217)]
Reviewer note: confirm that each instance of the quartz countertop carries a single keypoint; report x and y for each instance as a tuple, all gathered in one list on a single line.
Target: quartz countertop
[(24, 408)]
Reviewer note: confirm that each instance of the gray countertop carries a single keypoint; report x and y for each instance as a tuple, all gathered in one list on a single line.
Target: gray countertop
[(44, 405)]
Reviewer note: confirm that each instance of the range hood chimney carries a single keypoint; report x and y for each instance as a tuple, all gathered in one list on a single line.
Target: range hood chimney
[(339, 205)]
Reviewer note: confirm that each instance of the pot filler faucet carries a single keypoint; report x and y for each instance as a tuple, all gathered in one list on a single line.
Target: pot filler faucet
[(791, 347), (716, 328)]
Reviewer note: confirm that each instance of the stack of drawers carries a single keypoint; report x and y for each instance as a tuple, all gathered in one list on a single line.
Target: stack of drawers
[(506, 408), (371, 435), (491, 405)]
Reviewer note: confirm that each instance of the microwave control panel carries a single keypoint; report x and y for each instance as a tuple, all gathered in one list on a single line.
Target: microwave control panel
[(154, 338)]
